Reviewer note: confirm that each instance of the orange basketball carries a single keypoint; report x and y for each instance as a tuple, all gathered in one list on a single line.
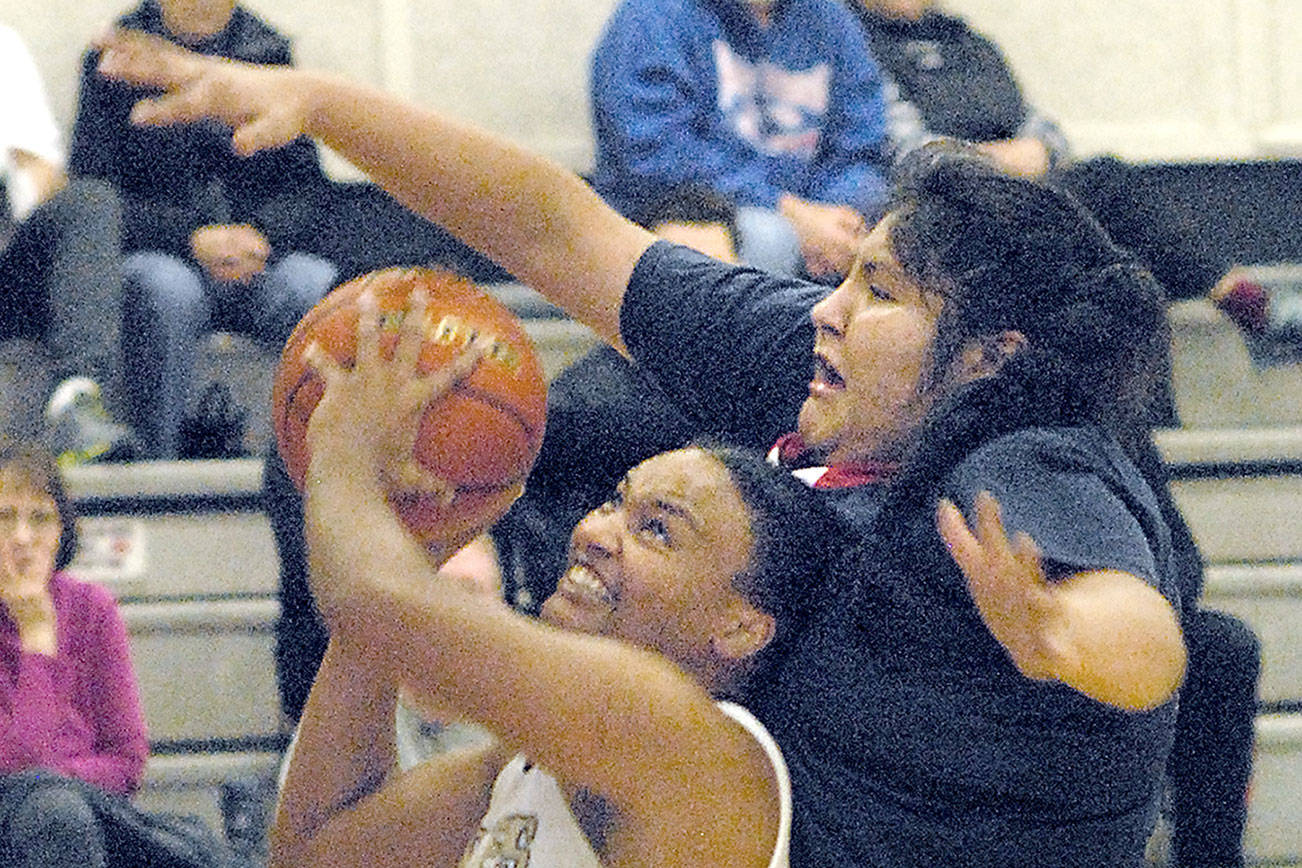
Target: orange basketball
[(482, 437)]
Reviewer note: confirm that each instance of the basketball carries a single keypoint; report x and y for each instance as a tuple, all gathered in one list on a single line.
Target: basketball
[(482, 437)]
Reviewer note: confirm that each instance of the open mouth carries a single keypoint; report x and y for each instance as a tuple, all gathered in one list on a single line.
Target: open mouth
[(582, 583), (826, 375)]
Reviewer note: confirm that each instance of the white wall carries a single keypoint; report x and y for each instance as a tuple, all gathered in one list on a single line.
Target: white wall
[(1147, 79)]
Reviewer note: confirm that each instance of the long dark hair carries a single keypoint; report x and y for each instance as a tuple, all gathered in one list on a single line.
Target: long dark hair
[(1010, 254), (31, 463), (794, 533)]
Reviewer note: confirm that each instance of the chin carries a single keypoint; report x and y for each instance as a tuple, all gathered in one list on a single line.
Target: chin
[(813, 429), (561, 612)]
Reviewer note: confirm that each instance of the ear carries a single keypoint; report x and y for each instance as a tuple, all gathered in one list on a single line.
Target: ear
[(986, 356), (742, 631)]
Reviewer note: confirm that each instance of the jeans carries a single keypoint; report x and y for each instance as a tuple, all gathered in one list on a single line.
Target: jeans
[(55, 828), (169, 304), (766, 240)]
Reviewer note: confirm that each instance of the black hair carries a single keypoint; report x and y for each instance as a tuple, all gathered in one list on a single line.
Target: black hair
[(684, 203), (793, 531), (33, 464), (1008, 253)]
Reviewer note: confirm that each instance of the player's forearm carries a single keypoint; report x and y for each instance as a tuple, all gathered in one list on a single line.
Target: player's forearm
[(537, 219), (1123, 645), (343, 751)]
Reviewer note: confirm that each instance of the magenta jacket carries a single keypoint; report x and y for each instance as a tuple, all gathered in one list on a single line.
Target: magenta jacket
[(77, 713)]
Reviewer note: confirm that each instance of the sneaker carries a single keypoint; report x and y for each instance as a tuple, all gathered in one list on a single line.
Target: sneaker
[(80, 430)]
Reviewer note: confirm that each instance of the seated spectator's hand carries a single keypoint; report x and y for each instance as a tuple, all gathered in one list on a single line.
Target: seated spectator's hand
[(230, 253), (829, 234), (1022, 156), (31, 608)]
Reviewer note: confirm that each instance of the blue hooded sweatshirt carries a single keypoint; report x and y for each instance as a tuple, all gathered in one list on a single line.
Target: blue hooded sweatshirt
[(698, 91)]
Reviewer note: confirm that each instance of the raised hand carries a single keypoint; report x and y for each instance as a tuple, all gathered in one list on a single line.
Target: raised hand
[(265, 106), (370, 413), (1020, 607)]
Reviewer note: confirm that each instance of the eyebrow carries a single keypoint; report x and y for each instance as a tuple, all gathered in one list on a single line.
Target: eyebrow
[(662, 505), (677, 510)]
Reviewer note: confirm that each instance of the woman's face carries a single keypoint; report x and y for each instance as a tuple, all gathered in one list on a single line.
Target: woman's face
[(29, 533), (655, 565), (872, 353)]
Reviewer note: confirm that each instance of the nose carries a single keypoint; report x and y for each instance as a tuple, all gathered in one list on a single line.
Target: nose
[(24, 530), (829, 313), (597, 534)]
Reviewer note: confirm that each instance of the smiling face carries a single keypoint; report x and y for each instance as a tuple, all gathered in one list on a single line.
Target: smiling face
[(655, 565), (872, 356), (29, 533)]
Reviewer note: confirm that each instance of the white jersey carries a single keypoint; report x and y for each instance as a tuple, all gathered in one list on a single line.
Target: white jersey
[(529, 821)]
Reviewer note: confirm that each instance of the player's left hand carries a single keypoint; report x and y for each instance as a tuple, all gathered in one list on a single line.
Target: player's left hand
[(1007, 582), (370, 413), (265, 106)]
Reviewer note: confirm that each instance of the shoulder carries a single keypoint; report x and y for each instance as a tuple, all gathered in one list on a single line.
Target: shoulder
[(86, 601), (1084, 447), (258, 41), (1040, 458), (665, 267), (765, 740)]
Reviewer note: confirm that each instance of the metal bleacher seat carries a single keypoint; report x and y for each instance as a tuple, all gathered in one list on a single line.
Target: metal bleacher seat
[(1237, 470)]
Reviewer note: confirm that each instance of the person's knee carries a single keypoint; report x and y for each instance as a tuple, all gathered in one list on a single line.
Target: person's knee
[(306, 277), (54, 820), (767, 240), (1224, 644), (162, 284)]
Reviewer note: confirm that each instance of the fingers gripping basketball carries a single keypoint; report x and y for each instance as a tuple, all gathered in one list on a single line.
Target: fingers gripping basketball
[(480, 438)]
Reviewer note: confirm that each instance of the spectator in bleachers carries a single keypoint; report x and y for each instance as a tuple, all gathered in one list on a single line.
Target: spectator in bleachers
[(992, 338), (69, 704), (776, 105), (59, 259), (213, 238), (703, 554), (945, 79)]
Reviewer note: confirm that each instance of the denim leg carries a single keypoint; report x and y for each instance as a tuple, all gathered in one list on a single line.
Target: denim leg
[(84, 281), (766, 240), (286, 291), (54, 827), (166, 309)]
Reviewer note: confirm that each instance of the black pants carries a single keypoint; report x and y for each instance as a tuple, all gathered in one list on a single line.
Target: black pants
[(1211, 760), (61, 284)]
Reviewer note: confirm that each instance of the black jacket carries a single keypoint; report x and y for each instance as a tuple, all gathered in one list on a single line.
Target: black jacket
[(173, 180), (956, 78)]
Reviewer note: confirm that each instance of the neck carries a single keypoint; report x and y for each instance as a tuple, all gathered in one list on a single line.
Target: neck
[(195, 25), (763, 12)]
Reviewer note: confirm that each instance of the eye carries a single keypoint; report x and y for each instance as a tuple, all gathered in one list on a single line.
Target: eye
[(45, 518), (879, 292), (653, 528)]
